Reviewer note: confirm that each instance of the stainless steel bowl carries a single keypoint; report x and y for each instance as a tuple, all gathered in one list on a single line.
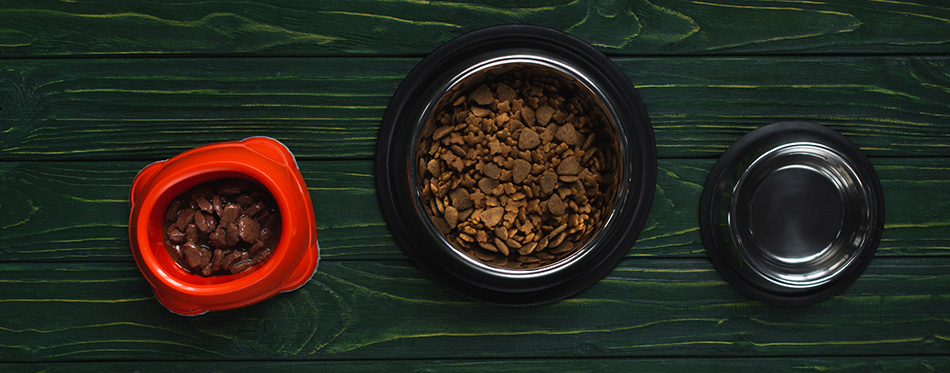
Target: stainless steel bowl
[(571, 82), (467, 61), (792, 213)]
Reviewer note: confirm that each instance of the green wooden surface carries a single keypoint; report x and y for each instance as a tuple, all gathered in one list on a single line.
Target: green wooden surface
[(798, 364), (331, 107), (274, 27), (92, 92), (388, 310)]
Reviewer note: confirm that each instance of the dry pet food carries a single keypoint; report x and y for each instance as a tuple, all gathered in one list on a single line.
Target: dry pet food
[(222, 227), (516, 172)]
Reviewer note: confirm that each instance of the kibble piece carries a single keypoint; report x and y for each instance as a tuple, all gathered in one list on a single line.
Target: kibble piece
[(512, 175), (492, 216), (483, 95), (492, 170), (556, 205), (528, 115), (548, 182), (569, 166), (544, 114), (451, 216), (460, 199), (519, 170), (505, 92), (488, 186), (480, 112), (568, 134), (441, 132), (529, 139)]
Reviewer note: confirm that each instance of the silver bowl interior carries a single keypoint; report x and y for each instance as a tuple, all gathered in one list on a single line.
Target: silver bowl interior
[(571, 82), (799, 214)]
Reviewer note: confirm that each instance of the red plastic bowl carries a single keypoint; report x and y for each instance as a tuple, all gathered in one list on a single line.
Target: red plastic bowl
[(261, 159)]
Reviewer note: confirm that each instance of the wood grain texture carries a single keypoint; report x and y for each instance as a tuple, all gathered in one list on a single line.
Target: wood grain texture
[(150, 109), (78, 211), (386, 310), (283, 27), (752, 364)]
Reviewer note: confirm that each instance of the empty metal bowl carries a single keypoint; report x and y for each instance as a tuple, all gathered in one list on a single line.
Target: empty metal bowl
[(792, 213), (577, 69)]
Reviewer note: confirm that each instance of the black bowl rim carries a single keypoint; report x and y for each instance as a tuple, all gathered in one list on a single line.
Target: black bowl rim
[(709, 217), (390, 169)]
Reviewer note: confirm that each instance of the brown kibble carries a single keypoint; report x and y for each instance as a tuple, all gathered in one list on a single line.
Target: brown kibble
[(568, 134), (441, 132), (505, 92), (548, 182), (502, 248), (483, 95), (434, 167), (513, 175), (543, 115), (519, 170), (501, 232), (451, 216), (562, 248), (460, 199), (556, 206), (529, 139), (492, 216), (488, 185), (569, 166), (492, 170), (480, 112)]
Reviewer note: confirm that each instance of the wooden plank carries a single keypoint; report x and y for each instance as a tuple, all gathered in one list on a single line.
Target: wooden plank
[(149, 109), (78, 211), (387, 310), (771, 364), (280, 27)]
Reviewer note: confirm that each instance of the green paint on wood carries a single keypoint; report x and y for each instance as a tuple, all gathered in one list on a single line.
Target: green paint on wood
[(71, 28), (147, 109), (373, 310)]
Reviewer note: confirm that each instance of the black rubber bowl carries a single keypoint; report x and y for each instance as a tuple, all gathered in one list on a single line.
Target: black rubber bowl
[(792, 213), (461, 62)]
